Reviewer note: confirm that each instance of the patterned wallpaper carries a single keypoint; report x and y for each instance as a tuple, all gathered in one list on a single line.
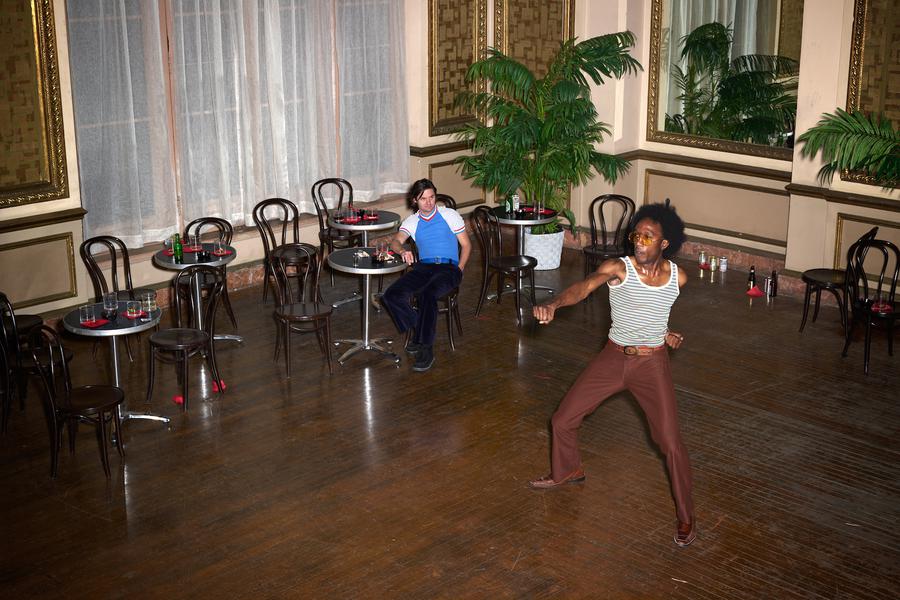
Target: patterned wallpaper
[(530, 30), (880, 72)]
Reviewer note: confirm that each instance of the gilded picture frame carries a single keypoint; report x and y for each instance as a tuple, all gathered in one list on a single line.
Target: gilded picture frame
[(457, 37), (32, 140)]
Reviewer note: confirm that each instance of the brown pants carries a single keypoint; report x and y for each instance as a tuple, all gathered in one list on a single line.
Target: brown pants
[(650, 380)]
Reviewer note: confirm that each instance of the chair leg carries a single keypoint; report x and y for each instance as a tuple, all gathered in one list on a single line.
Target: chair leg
[(531, 278), (848, 336), (128, 348), (55, 443), (818, 299), (287, 348), (101, 442), (450, 325), (72, 426), (327, 348), (227, 302), (806, 296), (120, 435), (867, 346), (151, 369), (458, 318), (214, 366), (485, 281), (518, 300)]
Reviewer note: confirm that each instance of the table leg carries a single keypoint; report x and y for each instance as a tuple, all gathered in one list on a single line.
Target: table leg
[(375, 345), (355, 295), (125, 414)]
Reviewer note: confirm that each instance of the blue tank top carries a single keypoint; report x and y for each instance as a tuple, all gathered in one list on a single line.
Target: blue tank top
[(640, 312)]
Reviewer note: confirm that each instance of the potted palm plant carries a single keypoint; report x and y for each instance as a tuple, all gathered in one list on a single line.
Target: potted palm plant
[(855, 142), (538, 135)]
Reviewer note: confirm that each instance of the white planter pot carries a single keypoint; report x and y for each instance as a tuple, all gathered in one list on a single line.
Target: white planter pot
[(546, 248)]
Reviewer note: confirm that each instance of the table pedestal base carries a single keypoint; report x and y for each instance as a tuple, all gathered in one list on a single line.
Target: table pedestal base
[(354, 297), (374, 345), (228, 337), (128, 415)]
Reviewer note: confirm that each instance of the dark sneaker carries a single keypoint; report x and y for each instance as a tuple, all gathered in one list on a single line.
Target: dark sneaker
[(413, 348), (424, 359)]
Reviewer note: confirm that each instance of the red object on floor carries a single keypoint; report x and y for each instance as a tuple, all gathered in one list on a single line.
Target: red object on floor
[(178, 399), (755, 292)]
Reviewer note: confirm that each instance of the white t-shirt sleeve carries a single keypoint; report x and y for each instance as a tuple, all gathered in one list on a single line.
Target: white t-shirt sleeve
[(453, 219), (408, 226)]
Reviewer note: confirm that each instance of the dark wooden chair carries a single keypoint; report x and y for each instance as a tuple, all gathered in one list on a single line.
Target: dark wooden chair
[(341, 193), (494, 263), (115, 251), (18, 351), (609, 216), (300, 310), (278, 222), (223, 231), (872, 291), (179, 344), (6, 386), (68, 406), (832, 281)]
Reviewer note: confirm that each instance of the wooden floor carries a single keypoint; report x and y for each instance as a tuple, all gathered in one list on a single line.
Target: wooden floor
[(379, 482)]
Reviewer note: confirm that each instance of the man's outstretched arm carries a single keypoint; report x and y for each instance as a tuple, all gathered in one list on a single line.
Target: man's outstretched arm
[(609, 270)]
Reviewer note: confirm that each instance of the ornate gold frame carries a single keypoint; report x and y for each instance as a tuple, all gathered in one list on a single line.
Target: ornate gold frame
[(696, 141), (439, 124), (54, 183), (501, 31), (855, 81)]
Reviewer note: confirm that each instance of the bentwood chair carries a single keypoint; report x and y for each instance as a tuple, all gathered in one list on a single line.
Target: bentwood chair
[(609, 216), (6, 386), (873, 267), (301, 310), (487, 228), (15, 340), (222, 231), (833, 281), (114, 251), (338, 190), (275, 219), (179, 344), (448, 304), (68, 406)]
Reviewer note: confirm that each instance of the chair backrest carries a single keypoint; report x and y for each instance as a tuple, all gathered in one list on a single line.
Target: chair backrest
[(487, 229), (9, 331), (49, 356), (115, 249), (609, 216), (301, 263), (283, 215), (873, 267), (327, 188), (446, 200), (223, 229), (185, 287)]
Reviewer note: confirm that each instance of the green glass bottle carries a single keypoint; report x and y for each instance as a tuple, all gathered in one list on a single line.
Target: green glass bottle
[(178, 249)]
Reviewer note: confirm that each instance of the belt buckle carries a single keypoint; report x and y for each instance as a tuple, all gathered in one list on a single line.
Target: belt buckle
[(630, 350)]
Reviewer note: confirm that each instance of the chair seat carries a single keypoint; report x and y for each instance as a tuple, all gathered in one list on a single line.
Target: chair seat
[(339, 235), (515, 262), (179, 338), (123, 295), (90, 399), (824, 278), (303, 311)]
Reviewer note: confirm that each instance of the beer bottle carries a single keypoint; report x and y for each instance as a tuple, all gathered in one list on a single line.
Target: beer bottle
[(751, 279), (178, 249), (773, 291)]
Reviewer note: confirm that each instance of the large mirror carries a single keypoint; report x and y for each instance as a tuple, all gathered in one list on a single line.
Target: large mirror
[(723, 74)]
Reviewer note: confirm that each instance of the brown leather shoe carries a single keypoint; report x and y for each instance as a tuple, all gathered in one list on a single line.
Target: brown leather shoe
[(548, 482), (686, 533)]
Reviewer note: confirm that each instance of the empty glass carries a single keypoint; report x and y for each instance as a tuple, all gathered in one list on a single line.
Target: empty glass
[(195, 241), (147, 307), (150, 298), (381, 250), (219, 248), (110, 306), (86, 314)]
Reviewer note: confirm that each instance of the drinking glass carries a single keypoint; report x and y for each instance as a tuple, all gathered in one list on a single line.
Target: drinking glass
[(86, 314), (147, 307), (381, 250), (133, 308), (110, 306), (195, 241), (167, 246), (150, 297), (219, 248)]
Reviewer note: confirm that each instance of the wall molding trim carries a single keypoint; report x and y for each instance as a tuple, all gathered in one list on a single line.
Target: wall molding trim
[(42, 220), (426, 151), (707, 180), (739, 235), (705, 163), (828, 195)]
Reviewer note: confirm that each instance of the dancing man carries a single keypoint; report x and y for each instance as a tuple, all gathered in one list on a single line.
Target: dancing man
[(642, 289)]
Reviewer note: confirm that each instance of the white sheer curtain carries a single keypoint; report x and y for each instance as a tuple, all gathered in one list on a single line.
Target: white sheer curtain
[(122, 127), (374, 143), (269, 96)]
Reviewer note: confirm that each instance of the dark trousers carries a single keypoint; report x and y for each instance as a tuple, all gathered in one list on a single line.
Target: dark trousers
[(650, 380), (426, 283)]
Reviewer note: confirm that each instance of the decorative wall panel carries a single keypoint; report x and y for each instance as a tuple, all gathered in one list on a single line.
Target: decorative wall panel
[(530, 30), (851, 227), (457, 37), (38, 270), (32, 143)]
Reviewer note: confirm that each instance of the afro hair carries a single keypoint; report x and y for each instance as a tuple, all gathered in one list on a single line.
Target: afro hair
[(668, 219)]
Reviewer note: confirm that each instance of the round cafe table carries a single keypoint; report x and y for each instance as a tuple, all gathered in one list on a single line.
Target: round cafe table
[(521, 220), (378, 220), (346, 261), (162, 260), (121, 325)]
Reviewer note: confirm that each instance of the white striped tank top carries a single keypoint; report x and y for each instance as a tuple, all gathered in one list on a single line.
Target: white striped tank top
[(640, 312)]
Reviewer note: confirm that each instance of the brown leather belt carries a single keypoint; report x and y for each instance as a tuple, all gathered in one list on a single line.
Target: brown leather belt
[(637, 350)]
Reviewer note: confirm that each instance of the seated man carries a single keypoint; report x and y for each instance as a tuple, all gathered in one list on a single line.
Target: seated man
[(440, 236)]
